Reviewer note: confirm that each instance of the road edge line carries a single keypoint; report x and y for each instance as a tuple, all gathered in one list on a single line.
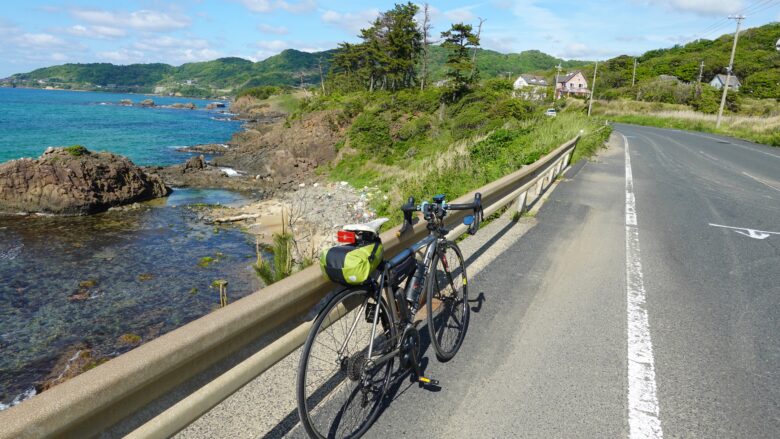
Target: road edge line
[(643, 408)]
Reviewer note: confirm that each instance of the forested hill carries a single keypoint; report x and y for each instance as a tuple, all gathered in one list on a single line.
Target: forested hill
[(228, 75), (756, 64)]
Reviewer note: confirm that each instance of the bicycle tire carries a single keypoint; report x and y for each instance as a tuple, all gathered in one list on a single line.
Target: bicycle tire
[(442, 306), (322, 412)]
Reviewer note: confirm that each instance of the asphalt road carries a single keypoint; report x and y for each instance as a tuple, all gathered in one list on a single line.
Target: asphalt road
[(546, 354), (621, 311)]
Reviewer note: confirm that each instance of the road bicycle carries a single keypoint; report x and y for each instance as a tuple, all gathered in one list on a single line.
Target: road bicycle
[(349, 356)]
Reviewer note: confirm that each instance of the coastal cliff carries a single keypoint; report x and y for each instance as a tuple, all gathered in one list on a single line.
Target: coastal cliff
[(74, 181)]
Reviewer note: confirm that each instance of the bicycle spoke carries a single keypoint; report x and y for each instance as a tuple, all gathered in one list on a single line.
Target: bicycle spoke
[(340, 395)]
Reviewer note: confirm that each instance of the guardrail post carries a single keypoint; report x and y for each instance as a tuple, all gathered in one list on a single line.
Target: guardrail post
[(539, 186), (558, 167), (520, 206), (566, 160)]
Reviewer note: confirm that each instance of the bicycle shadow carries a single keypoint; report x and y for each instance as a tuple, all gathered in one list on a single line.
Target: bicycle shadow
[(402, 379)]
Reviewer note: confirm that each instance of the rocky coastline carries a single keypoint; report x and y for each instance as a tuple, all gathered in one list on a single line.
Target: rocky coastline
[(74, 181), (273, 160)]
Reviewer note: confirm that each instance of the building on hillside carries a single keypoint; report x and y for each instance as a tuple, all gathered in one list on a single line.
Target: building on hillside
[(573, 84), (719, 80), (530, 87)]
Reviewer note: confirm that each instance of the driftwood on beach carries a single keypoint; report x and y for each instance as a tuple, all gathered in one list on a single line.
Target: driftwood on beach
[(232, 219)]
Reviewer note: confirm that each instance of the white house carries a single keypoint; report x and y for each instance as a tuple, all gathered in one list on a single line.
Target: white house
[(719, 80), (530, 87), (529, 80)]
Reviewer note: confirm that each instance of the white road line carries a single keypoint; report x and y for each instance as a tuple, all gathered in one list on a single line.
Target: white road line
[(762, 181), (643, 411), (708, 156)]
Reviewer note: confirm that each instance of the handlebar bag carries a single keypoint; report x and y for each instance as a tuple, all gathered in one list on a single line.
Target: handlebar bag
[(350, 264)]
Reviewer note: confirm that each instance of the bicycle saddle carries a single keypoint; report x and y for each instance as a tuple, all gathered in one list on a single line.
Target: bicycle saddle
[(372, 227)]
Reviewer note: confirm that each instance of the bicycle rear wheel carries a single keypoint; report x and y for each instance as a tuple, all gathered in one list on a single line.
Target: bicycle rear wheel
[(339, 390), (447, 301)]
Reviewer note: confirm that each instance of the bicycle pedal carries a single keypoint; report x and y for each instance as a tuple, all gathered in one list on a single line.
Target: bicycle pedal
[(427, 381)]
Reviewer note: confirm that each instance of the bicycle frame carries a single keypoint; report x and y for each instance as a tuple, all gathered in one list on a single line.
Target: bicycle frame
[(399, 308)]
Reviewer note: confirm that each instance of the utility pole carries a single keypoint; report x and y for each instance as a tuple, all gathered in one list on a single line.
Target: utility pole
[(593, 89), (633, 77), (701, 71), (698, 84), (739, 19), (322, 79), (555, 88)]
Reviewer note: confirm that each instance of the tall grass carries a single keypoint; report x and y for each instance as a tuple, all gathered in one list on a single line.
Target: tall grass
[(468, 164), (761, 129)]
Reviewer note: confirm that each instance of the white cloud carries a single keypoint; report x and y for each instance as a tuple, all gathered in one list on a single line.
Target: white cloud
[(168, 42), (501, 43), (351, 22), (7, 28), (38, 40), (460, 15), (273, 45), (264, 6), (143, 20), (576, 50), (97, 31), (122, 56), (701, 7), (269, 29), (175, 50)]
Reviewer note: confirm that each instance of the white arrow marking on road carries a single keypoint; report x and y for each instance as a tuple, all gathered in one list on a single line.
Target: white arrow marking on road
[(750, 233)]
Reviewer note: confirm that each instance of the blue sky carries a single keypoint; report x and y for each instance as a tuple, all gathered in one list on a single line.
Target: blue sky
[(41, 33)]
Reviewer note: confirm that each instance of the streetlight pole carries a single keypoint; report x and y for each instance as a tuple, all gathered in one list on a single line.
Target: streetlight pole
[(739, 19)]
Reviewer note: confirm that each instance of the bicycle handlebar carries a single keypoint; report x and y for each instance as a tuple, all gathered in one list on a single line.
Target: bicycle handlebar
[(430, 211)]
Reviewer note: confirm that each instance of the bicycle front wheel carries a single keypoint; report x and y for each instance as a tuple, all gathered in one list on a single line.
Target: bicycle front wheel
[(339, 388), (447, 301)]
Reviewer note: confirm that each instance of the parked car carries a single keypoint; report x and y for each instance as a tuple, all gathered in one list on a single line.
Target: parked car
[(551, 112)]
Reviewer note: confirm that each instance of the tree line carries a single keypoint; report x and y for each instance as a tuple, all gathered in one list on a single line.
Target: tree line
[(394, 54)]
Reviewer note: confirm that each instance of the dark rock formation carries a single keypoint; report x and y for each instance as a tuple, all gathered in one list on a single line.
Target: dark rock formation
[(206, 148), (146, 103), (194, 163), (187, 106), (74, 181)]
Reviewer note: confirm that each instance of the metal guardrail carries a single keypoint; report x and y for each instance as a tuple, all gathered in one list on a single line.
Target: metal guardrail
[(99, 398)]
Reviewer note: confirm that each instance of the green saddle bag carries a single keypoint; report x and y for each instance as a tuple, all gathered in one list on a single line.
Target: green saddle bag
[(351, 264)]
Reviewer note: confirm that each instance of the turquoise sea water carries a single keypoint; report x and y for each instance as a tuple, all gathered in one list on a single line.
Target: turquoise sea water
[(140, 268), (32, 120)]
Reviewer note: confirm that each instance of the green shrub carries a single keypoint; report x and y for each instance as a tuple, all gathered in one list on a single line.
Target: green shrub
[(370, 134), (77, 150), (514, 108), (499, 84), (262, 92), (414, 127), (282, 265)]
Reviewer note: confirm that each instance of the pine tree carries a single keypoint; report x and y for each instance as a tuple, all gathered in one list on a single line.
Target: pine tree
[(461, 71)]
